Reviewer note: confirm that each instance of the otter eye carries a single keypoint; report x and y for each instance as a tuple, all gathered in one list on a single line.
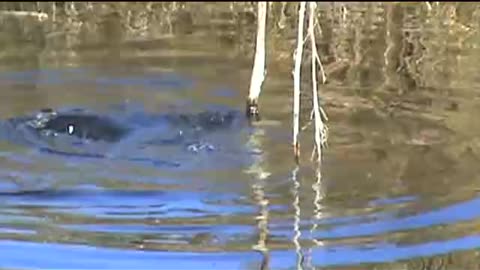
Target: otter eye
[(70, 129)]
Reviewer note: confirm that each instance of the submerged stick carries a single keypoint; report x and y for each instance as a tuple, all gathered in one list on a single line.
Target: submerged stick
[(41, 16), (258, 72), (296, 81), (320, 128)]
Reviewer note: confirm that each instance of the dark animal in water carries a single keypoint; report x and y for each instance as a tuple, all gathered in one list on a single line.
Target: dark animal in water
[(79, 124), (91, 127), (97, 127), (133, 136)]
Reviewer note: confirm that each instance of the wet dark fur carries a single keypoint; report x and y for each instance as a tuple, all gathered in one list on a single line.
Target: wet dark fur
[(102, 128), (87, 127)]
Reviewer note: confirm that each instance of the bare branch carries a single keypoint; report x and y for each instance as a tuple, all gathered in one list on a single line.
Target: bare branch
[(320, 128), (259, 71), (296, 80)]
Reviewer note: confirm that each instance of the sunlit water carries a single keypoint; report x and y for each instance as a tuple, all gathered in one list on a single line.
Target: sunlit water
[(396, 187)]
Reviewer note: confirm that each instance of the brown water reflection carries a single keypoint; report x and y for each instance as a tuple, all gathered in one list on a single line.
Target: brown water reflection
[(400, 171)]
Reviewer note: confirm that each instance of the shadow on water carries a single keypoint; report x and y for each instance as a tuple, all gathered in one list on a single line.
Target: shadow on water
[(397, 189)]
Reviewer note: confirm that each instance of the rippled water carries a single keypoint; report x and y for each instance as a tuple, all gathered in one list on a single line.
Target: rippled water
[(397, 189)]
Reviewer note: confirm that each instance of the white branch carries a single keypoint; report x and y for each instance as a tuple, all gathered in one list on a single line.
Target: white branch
[(258, 72), (296, 78), (320, 128)]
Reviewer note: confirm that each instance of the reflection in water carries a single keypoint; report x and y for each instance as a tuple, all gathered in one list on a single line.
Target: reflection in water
[(320, 193), (397, 188), (296, 219), (260, 175)]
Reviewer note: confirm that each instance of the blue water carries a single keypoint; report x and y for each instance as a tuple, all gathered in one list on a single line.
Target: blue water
[(46, 256), (167, 207)]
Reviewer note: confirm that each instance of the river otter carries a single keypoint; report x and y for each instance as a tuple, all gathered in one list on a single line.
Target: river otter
[(79, 124), (91, 126)]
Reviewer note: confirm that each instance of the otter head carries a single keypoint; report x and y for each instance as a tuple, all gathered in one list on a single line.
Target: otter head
[(81, 125)]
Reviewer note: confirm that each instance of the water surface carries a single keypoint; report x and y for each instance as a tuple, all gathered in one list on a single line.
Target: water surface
[(397, 189)]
